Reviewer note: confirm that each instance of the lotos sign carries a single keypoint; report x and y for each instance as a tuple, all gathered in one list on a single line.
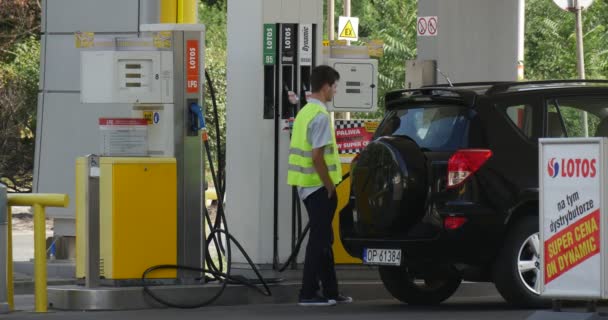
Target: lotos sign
[(572, 168), (572, 217)]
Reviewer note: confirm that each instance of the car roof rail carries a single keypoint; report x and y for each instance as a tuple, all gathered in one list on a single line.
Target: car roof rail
[(504, 87)]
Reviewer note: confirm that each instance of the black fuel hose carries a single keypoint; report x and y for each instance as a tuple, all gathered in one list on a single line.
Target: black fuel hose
[(214, 236)]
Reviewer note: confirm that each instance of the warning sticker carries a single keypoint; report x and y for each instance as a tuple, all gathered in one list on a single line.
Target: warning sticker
[(162, 40), (148, 115), (84, 39), (348, 28), (427, 26)]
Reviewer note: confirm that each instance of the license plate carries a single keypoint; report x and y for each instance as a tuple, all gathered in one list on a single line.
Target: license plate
[(390, 257)]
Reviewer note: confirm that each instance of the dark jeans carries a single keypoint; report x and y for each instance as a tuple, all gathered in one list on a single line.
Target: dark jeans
[(319, 260)]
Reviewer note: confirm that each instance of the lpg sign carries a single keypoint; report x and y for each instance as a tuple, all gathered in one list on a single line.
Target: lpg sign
[(572, 168), (572, 217)]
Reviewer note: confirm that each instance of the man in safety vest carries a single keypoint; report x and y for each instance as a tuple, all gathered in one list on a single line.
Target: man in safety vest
[(315, 168)]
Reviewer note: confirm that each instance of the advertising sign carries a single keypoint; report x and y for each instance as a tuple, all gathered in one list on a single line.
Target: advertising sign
[(289, 43), (192, 67), (270, 43), (354, 135), (571, 175)]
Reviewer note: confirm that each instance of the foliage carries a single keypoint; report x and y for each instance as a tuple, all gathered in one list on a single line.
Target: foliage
[(213, 15), (19, 19), (550, 45), (550, 50), (19, 69), (18, 97)]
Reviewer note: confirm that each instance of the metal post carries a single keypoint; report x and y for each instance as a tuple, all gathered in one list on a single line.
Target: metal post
[(39, 202), (168, 11), (580, 55), (521, 27), (91, 222), (4, 259), (189, 11), (40, 258), (331, 27), (347, 14), (9, 267)]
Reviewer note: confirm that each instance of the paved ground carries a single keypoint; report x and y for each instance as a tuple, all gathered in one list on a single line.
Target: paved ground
[(459, 308)]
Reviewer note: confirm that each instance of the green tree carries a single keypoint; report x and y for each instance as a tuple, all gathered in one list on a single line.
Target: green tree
[(19, 19), (550, 50), (19, 70), (550, 44), (18, 100), (213, 15)]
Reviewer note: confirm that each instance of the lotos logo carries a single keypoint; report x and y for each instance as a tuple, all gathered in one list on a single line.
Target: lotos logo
[(553, 168), (572, 168)]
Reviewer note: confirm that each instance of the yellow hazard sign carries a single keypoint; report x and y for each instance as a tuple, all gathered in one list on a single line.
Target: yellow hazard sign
[(348, 28)]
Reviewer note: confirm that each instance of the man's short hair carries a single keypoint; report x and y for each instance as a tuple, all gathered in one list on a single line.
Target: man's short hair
[(322, 75)]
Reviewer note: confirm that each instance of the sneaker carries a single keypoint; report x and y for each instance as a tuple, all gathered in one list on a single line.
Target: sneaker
[(342, 299), (317, 301)]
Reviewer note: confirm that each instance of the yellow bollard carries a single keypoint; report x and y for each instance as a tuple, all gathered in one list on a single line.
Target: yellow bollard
[(189, 11), (40, 258), (168, 11), (180, 11), (9, 261), (38, 202), (43, 199)]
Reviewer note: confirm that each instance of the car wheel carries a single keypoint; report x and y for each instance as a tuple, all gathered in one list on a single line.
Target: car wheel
[(517, 268), (427, 290)]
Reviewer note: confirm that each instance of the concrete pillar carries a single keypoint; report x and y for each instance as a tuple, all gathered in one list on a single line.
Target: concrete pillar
[(477, 40)]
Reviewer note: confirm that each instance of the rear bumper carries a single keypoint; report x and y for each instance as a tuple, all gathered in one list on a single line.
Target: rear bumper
[(477, 242)]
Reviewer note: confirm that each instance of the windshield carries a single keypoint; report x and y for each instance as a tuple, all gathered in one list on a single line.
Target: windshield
[(436, 127)]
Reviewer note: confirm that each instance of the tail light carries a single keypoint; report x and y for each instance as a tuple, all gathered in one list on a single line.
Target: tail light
[(464, 163), (453, 222)]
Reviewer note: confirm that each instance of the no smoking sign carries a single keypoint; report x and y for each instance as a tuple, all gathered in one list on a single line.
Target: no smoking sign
[(427, 26)]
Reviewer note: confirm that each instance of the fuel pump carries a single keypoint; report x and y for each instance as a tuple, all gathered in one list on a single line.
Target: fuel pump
[(297, 57), (158, 76)]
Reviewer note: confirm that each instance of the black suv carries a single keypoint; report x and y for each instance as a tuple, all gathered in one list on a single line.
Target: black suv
[(448, 188)]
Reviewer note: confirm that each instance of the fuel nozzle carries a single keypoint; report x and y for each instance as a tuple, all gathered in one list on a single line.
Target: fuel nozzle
[(198, 121), (197, 111)]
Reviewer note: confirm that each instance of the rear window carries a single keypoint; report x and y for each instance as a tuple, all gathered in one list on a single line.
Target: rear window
[(436, 128)]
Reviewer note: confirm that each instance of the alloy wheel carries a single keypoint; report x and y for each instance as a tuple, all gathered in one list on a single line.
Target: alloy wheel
[(528, 263)]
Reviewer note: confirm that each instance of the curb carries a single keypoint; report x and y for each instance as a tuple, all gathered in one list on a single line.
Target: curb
[(74, 298), (27, 286)]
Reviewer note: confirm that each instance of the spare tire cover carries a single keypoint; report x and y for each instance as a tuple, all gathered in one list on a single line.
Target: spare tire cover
[(389, 185)]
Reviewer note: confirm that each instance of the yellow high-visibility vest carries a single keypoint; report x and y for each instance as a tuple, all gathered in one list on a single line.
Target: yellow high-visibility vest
[(301, 171)]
